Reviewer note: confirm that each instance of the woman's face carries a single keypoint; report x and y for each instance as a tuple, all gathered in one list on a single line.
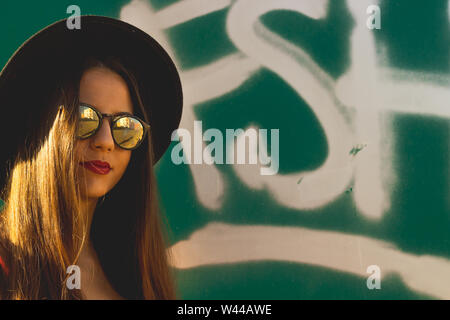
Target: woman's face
[(106, 91)]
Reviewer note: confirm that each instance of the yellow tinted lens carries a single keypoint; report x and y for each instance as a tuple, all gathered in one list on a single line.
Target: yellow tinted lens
[(128, 132), (88, 122)]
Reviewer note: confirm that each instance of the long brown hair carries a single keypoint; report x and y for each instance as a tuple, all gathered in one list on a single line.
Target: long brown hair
[(41, 218)]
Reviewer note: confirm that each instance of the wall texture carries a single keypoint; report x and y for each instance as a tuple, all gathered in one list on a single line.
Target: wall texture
[(364, 134)]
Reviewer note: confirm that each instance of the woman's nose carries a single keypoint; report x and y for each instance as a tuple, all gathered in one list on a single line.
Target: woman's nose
[(103, 138)]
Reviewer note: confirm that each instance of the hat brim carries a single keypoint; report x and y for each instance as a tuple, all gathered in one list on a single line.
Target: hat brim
[(56, 48)]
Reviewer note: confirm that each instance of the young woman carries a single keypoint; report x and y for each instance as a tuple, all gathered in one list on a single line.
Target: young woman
[(87, 122)]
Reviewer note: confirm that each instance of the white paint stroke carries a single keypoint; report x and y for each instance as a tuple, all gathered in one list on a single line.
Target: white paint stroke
[(217, 78), (140, 14), (372, 91), (370, 197), (208, 181), (200, 85), (186, 10), (221, 243), (290, 193), (409, 97), (294, 66)]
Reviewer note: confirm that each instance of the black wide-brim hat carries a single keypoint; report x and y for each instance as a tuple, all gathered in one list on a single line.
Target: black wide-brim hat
[(29, 78)]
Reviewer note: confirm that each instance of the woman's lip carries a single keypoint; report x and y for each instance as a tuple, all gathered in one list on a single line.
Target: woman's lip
[(99, 163), (92, 166)]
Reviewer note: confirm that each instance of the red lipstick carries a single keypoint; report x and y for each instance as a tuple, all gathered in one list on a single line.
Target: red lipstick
[(97, 166)]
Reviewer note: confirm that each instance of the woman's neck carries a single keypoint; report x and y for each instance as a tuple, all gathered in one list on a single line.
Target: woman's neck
[(94, 283)]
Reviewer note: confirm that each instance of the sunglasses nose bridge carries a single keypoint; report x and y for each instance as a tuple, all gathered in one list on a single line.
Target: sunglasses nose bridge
[(109, 117), (99, 137)]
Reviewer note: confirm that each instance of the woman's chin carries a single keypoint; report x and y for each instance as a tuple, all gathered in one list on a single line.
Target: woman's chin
[(93, 193), (96, 194)]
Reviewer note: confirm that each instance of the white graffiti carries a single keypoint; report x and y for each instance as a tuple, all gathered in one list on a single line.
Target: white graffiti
[(221, 243), (296, 68), (354, 109), (367, 94)]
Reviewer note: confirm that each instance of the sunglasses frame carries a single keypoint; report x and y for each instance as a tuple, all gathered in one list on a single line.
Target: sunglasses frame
[(112, 119)]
